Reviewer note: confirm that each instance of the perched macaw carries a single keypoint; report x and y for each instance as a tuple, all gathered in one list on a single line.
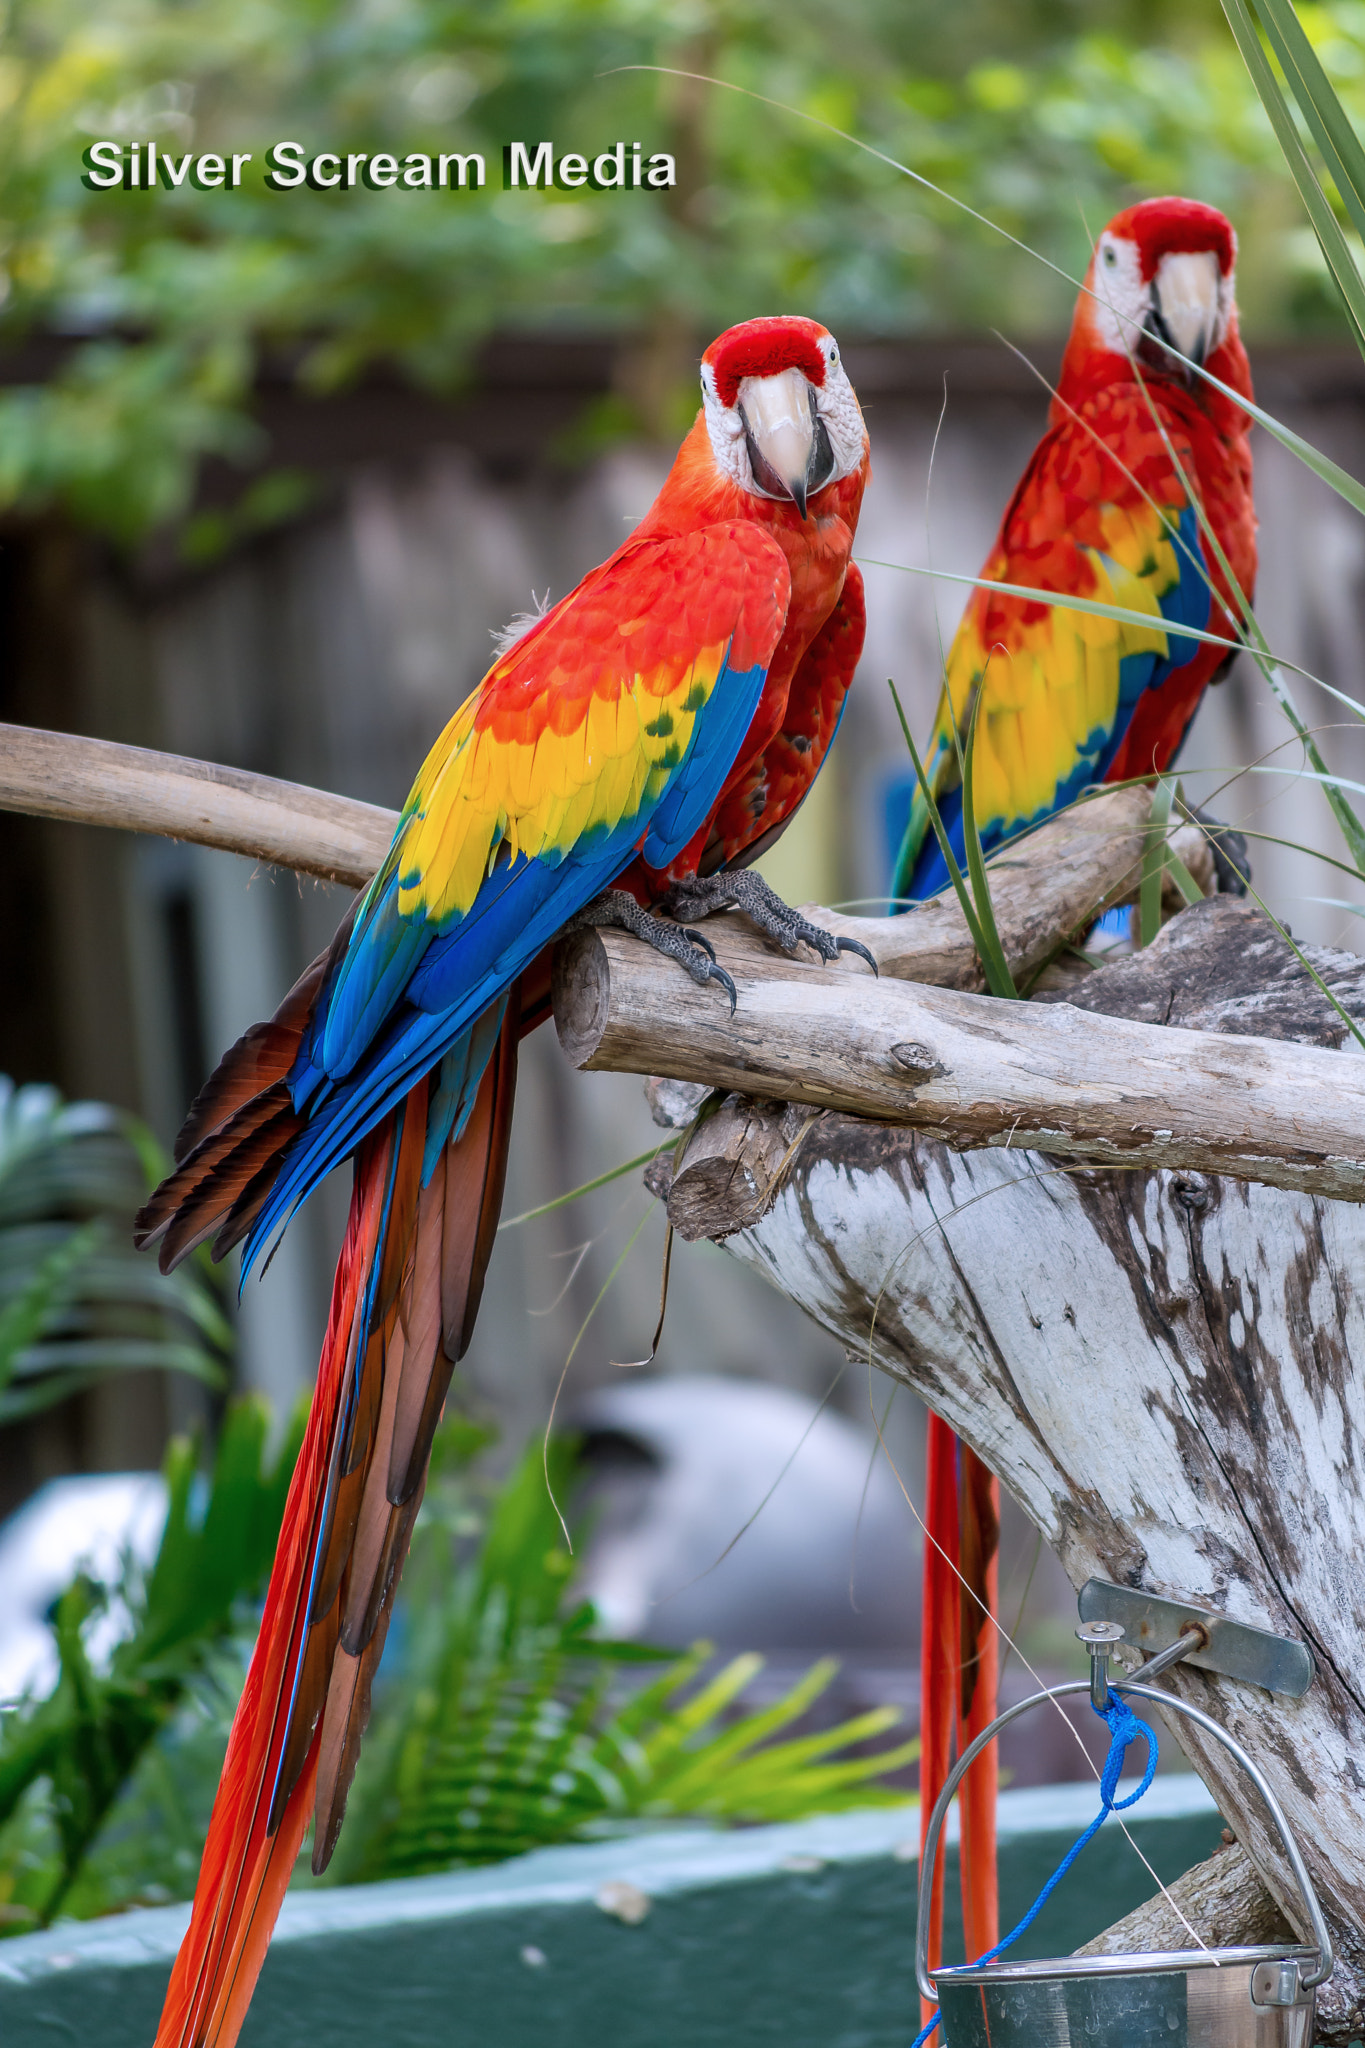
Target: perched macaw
[(666, 717), (1064, 699)]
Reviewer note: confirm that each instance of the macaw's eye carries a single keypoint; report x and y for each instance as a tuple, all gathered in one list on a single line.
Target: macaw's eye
[(833, 357), (1111, 257)]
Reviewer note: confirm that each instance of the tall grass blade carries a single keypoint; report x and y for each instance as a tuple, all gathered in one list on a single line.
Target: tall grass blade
[(1352, 831), (587, 1187), (1183, 879), (1319, 105), (1332, 474), (1065, 601), (997, 970), (1325, 224), (963, 893)]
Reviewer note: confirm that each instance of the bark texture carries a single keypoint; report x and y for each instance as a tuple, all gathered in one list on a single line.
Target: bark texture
[(1224, 1898)]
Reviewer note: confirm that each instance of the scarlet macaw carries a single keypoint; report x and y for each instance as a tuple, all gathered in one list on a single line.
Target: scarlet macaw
[(666, 717), (1063, 699)]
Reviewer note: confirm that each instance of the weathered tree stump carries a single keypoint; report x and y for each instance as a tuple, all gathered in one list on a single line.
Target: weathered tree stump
[(1159, 1364)]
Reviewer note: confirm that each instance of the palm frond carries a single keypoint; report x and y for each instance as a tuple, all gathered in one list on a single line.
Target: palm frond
[(77, 1303)]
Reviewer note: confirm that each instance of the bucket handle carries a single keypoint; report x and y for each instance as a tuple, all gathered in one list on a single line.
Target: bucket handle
[(1128, 1688)]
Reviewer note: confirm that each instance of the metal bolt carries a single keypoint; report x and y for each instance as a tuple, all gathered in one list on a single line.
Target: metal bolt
[(1100, 1638)]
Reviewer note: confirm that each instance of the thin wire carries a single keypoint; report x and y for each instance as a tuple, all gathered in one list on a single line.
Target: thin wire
[(564, 1370), (1023, 1603), (745, 1527), (862, 1497)]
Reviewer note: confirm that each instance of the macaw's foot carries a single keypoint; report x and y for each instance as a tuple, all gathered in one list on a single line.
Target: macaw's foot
[(744, 890), (1231, 864), (618, 909)]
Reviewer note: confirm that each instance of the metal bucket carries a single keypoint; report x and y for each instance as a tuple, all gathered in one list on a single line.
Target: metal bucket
[(1196, 1998), (1199, 1998)]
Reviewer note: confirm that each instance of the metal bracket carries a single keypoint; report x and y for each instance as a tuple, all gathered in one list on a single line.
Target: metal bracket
[(1233, 1648), (1277, 1984)]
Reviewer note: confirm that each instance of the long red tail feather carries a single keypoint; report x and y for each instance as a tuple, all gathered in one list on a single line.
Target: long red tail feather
[(979, 1562), (940, 1655), (404, 1299), (959, 1670)]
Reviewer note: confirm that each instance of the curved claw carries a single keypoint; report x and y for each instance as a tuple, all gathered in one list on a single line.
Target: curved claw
[(698, 940), (856, 946), (719, 974)]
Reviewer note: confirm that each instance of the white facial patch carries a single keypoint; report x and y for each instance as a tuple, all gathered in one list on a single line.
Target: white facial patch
[(1120, 305), (1194, 297)]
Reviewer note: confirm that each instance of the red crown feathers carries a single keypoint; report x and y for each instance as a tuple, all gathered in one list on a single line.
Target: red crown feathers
[(1170, 227), (764, 348)]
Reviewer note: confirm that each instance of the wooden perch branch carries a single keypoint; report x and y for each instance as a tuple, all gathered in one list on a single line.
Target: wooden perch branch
[(93, 782), (970, 1069)]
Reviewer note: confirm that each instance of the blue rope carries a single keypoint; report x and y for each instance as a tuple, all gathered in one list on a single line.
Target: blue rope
[(1124, 1728)]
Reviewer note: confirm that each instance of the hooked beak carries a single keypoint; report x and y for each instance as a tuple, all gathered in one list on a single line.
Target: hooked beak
[(789, 448), (1184, 315)]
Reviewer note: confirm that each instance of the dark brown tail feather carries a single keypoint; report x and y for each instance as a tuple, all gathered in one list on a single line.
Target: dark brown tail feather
[(261, 1055), (238, 1128)]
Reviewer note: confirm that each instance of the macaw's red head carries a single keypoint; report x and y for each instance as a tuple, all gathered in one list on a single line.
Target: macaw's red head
[(1160, 286), (780, 413)]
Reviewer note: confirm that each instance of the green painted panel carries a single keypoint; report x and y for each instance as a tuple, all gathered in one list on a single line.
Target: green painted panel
[(798, 1934)]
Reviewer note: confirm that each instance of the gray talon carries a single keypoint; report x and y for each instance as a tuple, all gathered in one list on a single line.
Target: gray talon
[(856, 946), (698, 940)]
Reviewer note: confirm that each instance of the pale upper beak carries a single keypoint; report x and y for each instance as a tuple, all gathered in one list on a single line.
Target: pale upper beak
[(789, 448), (1184, 311)]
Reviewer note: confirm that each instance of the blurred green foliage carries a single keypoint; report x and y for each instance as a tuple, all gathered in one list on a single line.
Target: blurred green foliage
[(1044, 115), (77, 1303), (66, 1760), (510, 1724)]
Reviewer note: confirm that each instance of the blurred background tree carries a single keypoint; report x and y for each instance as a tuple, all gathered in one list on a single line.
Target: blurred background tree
[(1044, 116)]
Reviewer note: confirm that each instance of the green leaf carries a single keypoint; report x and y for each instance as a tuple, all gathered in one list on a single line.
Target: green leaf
[(89, 1737), (506, 1730)]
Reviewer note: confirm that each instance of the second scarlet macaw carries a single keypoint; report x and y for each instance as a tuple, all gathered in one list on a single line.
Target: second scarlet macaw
[(1106, 509), (653, 731)]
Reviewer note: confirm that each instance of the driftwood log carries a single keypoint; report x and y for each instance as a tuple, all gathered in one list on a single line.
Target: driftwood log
[(95, 782), (1157, 1357), (1159, 1364)]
